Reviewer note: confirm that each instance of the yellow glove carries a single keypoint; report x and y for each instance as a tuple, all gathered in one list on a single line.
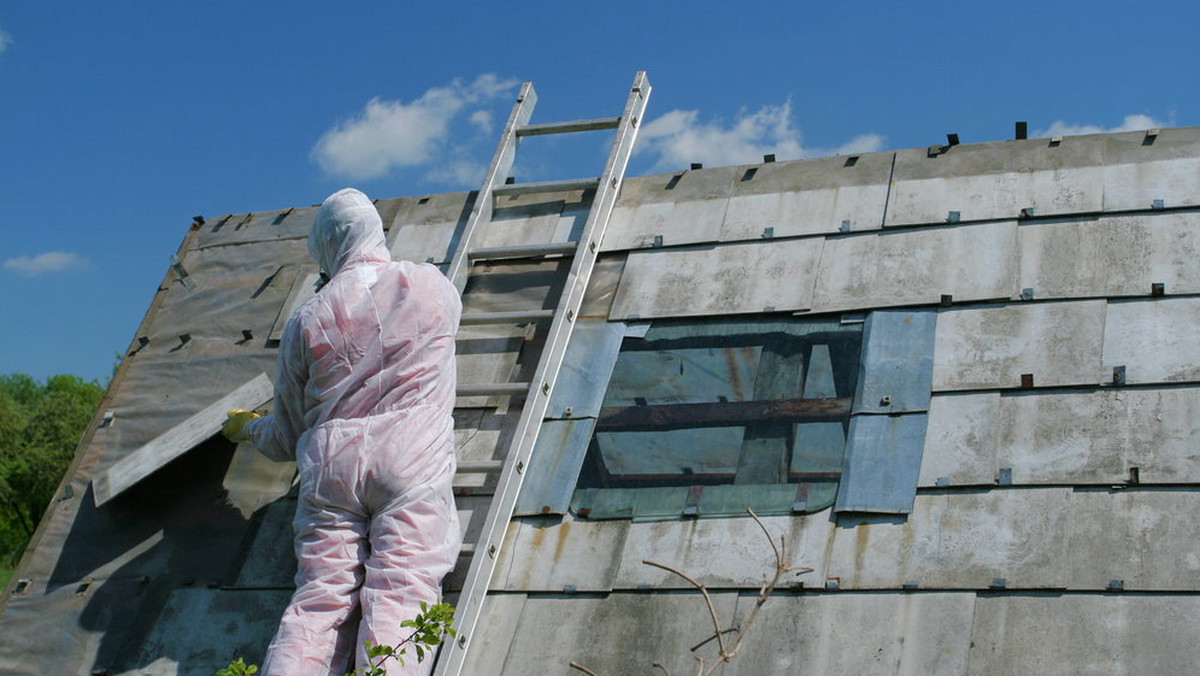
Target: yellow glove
[(235, 428)]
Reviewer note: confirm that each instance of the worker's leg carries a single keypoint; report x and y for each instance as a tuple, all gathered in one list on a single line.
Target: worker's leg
[(414, 543), (331, 546)]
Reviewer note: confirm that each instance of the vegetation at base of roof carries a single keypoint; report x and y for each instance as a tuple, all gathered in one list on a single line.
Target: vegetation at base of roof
[(40, 425)]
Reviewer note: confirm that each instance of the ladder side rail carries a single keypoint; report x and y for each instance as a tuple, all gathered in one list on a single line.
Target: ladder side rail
[(483, 563), (502, 162)]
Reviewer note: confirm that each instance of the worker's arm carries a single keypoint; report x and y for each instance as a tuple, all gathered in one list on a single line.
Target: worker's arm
[(275, 435)]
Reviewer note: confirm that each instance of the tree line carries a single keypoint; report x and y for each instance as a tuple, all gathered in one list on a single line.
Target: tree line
[(40, 425)]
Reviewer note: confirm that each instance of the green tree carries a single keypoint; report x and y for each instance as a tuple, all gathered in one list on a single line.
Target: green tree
[(40, 425)]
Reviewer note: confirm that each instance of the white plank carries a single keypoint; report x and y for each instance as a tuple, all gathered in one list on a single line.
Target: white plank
[(179, 439)]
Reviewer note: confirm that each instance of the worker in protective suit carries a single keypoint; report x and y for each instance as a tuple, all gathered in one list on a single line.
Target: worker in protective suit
[(363, 399)]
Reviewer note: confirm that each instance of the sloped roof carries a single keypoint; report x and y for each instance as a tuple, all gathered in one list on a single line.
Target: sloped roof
[(1047, 525)]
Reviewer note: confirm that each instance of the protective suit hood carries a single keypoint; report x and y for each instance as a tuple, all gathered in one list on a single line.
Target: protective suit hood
[(347, 228)]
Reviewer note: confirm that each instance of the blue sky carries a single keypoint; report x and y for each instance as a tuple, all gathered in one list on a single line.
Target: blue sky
[(119, 121)]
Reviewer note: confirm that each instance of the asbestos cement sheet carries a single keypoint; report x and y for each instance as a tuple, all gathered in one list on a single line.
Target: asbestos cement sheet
[(263, 226), (670, 209), (425, 228), (1084, 634), (995, 347), (1098, 436), (993, 181), (1143, 169), (1145, 537), (1156, 341), (959, 540), (178, 440), (553, 554), (897, 362), (807, 197), (494, 634), (618, 633), (1110, 256), (721, 280), (200, 629), (911, 634), (961, 440), (883, 459), (969, 263), (722, 553)]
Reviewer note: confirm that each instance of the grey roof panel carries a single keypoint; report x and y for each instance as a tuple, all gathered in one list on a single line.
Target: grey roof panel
[(722, 553), (424, 228), (913, 633), (1154, 340), (989, 181), (969, 263), (1111, 255), (586, 368), (1084, 634), (495, 634), (959, 540), (551, 554), (961, 440), (995, 346), (651, 206), (732, 279), (1137, 536)]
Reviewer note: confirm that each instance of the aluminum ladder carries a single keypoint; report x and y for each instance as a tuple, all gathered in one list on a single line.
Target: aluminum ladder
[(485, 553)]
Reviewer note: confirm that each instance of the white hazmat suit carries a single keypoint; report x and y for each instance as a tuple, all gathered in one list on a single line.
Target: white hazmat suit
[(363, 400)]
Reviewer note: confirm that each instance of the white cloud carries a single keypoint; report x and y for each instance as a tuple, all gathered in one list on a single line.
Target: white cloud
[(1136, 122), (457, 172), (481, 120), (679, 138), (51, 261), (5, 41), (391, 134)]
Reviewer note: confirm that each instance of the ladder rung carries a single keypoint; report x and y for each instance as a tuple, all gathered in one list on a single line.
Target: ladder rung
[(490, 389), (569, 127), (480, 466), (524, 251), (512, 189), (518, 317)]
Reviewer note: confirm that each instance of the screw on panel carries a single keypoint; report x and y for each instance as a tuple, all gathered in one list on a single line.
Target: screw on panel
[(768, 232), (911, 584), (1135, 476), (952, 139), (947, 299), (1116, 585), (697, 165), (1026, 381), (769, 158), (520, 466), (1118, 377), (1055, 141), (1158, 204), (942, 482), (1005, 477), (462, 640), (850, 161), (886, 400), (197, 222), (510, 180), (845, 227), (107, 421), (492, 551), (998, 583), (569, 589), (833, 583), (1027, 212), (658, 241), (545, 388), (953, 217), (1151, 135), (184, 339), (22, 585), (1027, 293), (1022, 131), (749, 174)]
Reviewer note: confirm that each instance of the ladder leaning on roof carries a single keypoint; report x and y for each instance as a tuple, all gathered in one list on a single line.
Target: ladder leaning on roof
[(537, 393)]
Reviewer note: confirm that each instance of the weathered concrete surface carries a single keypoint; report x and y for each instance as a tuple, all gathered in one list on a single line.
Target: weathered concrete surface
[(1154, 340)]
